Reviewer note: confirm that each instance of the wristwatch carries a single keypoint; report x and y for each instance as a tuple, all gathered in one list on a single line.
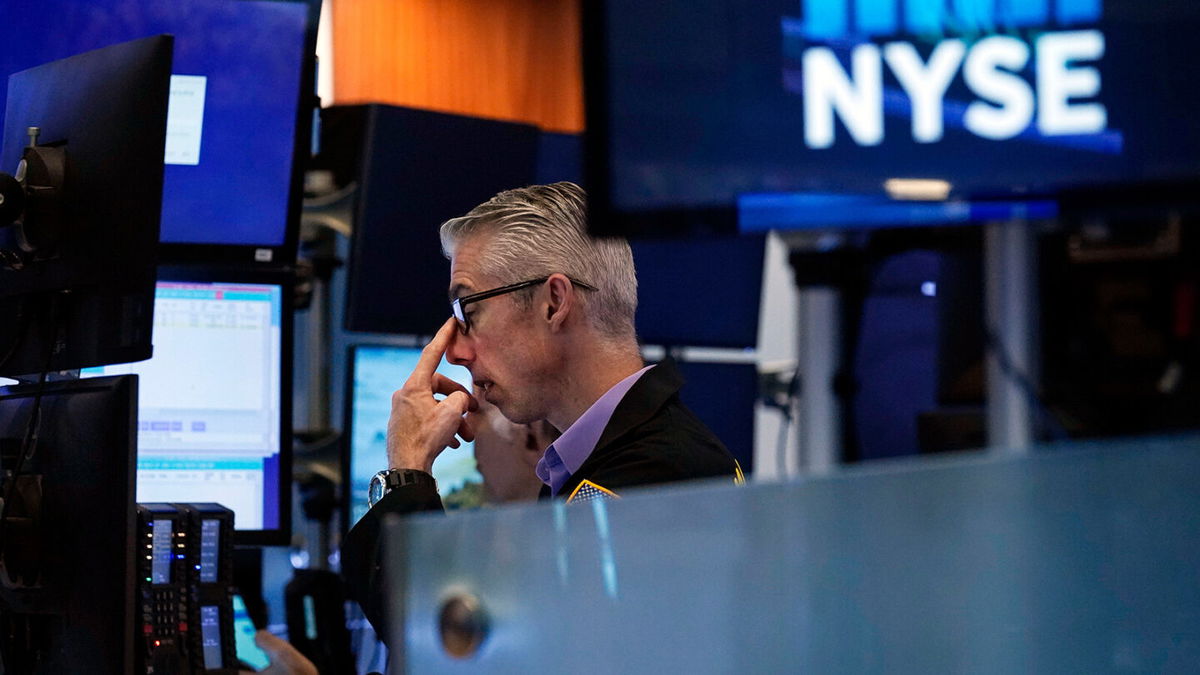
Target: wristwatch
[(389, 479)]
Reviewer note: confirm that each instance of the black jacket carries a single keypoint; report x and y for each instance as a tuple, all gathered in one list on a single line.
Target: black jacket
[(651, 438)]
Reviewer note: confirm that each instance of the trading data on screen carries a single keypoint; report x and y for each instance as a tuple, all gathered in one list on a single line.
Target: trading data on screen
[(209, 399)]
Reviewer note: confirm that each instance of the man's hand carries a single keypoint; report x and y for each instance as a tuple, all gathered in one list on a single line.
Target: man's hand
[(420, 426), (285, 660)]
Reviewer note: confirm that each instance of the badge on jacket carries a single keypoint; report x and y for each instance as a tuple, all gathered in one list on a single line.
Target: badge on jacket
[(590, 492)]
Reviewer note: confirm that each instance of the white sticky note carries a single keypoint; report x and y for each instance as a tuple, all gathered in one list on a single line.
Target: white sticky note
[(185, 119)]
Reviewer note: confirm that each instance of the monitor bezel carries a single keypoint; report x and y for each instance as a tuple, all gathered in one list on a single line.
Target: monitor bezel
[(285, 279), (265, 256)]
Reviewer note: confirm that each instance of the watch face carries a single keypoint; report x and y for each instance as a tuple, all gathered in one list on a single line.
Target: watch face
[(375, 489)]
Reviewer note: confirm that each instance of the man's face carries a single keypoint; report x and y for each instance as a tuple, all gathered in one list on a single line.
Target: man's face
[(506, 350)]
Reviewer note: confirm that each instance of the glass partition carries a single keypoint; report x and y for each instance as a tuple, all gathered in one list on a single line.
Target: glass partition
[(1077, 558)]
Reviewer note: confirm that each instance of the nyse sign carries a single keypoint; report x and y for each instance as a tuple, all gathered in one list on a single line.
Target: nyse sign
[(1041, 85)]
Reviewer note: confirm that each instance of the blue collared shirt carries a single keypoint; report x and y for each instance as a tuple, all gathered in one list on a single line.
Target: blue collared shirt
[(571, 450)]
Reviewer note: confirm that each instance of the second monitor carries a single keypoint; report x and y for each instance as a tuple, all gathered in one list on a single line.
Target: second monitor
[(376, 372), (214, 409)]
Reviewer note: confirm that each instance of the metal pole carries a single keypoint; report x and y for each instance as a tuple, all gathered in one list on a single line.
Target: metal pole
[(1010, 278)]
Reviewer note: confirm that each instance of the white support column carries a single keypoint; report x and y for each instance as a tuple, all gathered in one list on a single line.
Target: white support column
[(776, 356), (819, 413), (1010, 313)]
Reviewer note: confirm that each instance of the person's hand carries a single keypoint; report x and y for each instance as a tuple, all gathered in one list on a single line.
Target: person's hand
[(420, 426), (285, 660)]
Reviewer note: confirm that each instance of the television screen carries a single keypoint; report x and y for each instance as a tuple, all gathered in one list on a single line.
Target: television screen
[(234, 123), (211, 411), (798, 113)]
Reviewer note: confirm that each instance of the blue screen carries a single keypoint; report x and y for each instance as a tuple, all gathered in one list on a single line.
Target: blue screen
[(232, 118), (826, 101), (210, 636), (210, 545), (162, 549), (243, 635)]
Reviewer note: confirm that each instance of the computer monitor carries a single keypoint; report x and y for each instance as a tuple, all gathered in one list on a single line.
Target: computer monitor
[(91, 202), (241, 110), (68, 538), (376, 371), (215, 405)]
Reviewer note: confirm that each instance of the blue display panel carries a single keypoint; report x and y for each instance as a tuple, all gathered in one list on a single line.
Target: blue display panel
[(378, 372), (811, 113), (210, 636), (233, 118), (162, 548), (209, 400), (210, 546), (248, 650)]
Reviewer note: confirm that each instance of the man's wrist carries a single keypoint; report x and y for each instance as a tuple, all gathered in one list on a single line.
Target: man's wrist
[(388, 480), (409, 465)]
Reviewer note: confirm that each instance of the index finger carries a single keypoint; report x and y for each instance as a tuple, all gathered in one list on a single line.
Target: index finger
[(432, 355)]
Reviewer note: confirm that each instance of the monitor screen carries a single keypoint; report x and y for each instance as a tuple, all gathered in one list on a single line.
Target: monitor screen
[(234, 122), (163, 549), (210, 636), (210, 544), (209, 409), (377, 372), (248, 650), (840, 104)]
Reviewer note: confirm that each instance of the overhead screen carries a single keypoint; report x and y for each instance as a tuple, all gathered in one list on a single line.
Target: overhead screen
[(808, 113), (234, 122), (211, 404)]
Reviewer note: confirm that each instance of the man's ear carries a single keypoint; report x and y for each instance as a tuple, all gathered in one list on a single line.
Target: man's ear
[(560, 301)]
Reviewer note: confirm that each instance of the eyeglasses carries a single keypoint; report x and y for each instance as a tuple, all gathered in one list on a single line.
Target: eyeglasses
[(456, 305)]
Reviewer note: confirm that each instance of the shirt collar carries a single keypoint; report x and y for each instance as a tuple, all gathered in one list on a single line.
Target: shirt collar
[(564, 457)]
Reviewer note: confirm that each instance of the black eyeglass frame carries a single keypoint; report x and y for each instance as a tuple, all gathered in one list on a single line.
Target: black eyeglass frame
[(456, 305)]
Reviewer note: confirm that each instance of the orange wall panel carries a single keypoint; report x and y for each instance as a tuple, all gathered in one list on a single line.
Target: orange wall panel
[(516, 60)]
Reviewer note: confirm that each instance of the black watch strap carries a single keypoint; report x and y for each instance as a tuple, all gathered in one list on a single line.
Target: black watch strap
[(398, 478)]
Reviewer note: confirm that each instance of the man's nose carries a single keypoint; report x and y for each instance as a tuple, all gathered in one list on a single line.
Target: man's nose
[(460, 352)]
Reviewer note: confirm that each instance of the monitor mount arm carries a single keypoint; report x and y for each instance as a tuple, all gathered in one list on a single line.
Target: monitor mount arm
[(32, 201)]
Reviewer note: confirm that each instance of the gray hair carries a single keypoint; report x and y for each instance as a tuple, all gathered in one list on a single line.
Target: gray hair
[(542, 230)]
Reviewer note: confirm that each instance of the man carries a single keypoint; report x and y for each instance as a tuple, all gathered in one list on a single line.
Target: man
[(543, 317)]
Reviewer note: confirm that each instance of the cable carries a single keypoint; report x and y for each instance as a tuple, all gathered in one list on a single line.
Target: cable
[(781, 445), (785, 409), (1054, 426)]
